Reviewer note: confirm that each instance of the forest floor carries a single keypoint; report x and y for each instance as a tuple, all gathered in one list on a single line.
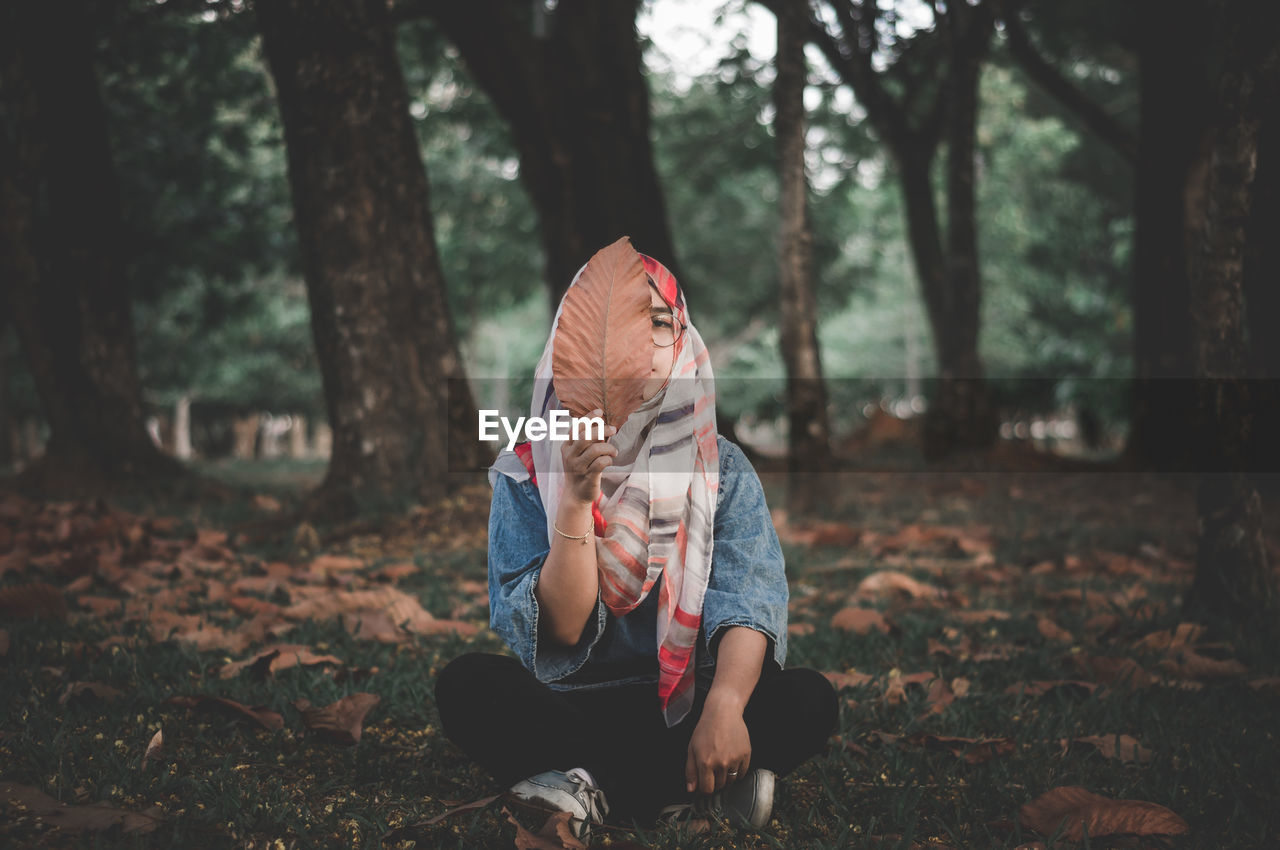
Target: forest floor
[(1008, 647)]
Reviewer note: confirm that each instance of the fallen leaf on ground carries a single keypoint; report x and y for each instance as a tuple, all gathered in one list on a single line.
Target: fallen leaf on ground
[(273, 659), (860, 621), (465, 807), (526, 840), (1187, 662), (1074, 809), (153, 747), (1040, 687), (263, 716), (888, 582), (342, 721), (972, 750), (800, 628), (1124, 747), (97, 816), (851, 679), (4, 643), (1052, 631), (1117, 672), (89, 690), (1184, 634), (33, 600), (326, 564), (982, 615), (385, 613)]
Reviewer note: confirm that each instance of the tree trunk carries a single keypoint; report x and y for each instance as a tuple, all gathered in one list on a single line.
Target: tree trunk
[(1171, 122), (578, 109), (60, 253), (394, 386), (961, 415), (1232, 578), (809, 447), (1262, 295)]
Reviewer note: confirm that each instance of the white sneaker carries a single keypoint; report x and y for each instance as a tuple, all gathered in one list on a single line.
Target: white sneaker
[(746, 803), (573, 791)]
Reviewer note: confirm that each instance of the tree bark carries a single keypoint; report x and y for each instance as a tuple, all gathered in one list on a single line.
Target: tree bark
[(1233, 579), (60, 254), (809, 443), (1171, 123), (397, 398), (578, 108), (961, 415)]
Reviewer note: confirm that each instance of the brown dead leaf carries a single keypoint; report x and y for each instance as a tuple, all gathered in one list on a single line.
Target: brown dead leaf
[(263, 716), (273, 659), (89, 691), (1052, 631), (4, 642), (1258, 683), (33, 601), (252, 606), (983, 615), (153, 748), (465, 807), (1075, 809), (1184, 634), (1124, 747), (800, 628), (891, 583), (860, 621), (341, 721), (972, 750), (329, 564), (1040, 687), (1117, 672), (1188, 663), (394, 572), (850, 679), (95, 817), (267, 504), (554, 834), (384, 613)]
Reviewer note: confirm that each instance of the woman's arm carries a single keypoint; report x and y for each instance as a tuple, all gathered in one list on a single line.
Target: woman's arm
[(569, 584), (720, 743)]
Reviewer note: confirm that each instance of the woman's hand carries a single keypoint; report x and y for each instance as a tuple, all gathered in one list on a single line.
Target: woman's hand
[(585, 461), (720, 746)]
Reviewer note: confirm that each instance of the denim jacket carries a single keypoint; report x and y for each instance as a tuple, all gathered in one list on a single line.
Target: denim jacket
[(747, 585)]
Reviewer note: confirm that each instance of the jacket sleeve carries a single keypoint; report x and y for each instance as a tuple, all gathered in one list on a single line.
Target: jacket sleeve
[(748, 583), (518, 548)]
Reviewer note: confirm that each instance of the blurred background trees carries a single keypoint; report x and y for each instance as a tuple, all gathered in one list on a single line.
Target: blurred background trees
[(1003, 212)]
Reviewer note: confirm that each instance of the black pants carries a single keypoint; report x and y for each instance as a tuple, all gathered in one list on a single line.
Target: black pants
[(515, 726)]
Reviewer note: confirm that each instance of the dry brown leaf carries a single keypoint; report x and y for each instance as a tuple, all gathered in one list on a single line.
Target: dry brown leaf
[(252, 606), (1040, 687), (1124, 747), (549, 837), (34, 600), (1052, 631), (153, 748), (1186, 662), (1184, 634), (972, 750), (1117, 672), (1258, 683), (394, 572), (860, 621), (341, 721), (89, 690), (326, 564), (383, 613), (800, 628), (97, 816), (1074, 809), (4, 642), (888, 582), (263, 716), (850, 679), (273, 659), (604, 336), (983, 615)]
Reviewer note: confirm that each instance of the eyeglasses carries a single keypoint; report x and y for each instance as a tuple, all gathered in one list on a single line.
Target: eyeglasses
[(667, 330)]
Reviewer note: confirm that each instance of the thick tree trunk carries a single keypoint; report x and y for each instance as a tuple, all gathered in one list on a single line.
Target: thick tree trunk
[(1232, 579), (1262, 295), (1171, 122), (394, 385), (809, 447), (578, 108), (60, 244), (961, 415)]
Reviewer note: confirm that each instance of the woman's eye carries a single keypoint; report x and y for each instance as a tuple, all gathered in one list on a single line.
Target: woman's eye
[(661, 322)]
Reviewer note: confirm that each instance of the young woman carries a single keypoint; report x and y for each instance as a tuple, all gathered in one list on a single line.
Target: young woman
[(639, 581)]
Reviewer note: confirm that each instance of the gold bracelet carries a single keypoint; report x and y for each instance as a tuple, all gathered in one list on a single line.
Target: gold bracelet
[(582, 537)]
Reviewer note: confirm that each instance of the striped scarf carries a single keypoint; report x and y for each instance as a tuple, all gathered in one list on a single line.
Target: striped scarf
[(657, 502)]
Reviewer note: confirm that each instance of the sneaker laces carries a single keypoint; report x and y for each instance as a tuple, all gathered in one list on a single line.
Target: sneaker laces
[(590, 793)]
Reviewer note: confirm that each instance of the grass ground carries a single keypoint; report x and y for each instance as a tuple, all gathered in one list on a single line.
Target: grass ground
[(1103, 558)]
